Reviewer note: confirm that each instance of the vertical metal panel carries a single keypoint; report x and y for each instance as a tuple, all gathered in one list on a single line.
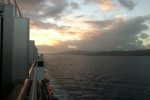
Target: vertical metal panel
[(1, 45), (0, 27), (7, 63), (1, 38), (31, 51), (40, 73), (1, 8), (35, 52), (20, 56)]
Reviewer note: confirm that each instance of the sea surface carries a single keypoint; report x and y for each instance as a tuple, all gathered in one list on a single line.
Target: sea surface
[(75, 77)]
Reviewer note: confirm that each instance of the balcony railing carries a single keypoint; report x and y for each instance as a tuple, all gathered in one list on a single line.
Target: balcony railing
[(18, 12)]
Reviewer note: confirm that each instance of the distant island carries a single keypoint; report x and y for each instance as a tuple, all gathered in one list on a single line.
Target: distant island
[(107, 53)]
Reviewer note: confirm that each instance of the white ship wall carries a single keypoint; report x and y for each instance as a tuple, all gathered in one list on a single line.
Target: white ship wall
[(7, 48), (21, 42), (32, 52)]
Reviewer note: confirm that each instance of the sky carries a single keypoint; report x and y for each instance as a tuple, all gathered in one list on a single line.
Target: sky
[(91, 25)]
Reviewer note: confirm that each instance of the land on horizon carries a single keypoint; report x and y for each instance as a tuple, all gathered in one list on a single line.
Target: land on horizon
[(145, 52)]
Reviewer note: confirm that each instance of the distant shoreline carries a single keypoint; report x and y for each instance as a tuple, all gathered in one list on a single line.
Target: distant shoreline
[(106, 53)]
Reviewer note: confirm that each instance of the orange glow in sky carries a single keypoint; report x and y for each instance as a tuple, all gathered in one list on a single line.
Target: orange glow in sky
[(52, 36), (89, 24)]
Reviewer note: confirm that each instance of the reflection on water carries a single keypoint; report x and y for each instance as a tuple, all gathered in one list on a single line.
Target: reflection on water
[(99, 77)]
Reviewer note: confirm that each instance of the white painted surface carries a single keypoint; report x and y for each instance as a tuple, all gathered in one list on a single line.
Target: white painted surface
[(21, 42), (40, 73)]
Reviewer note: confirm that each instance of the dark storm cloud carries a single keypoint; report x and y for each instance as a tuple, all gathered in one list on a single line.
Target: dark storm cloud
[(74, 5), (55, 10), (57, 2), (42, 8), (122, 35), (47, 25), (31, 8), (144, 36), (30, 4), (103, 23), (129, 4)]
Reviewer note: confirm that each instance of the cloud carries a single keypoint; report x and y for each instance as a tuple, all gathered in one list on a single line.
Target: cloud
[(144, 36), (148, 46), (119, 33), (128, 4), (38, 10), (46, 49), (72, 47), (105, 5), (55, 10), (42, 8), (74, 5), (41, 25), (31, 4), (115, 34), (62, 46), (57, 2), (53, 26), (100, 24)]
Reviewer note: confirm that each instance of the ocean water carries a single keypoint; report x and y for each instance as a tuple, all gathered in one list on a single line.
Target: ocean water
[(75, 77)]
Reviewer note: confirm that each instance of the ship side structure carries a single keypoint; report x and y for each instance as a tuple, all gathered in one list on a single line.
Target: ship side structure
[(22, 68)]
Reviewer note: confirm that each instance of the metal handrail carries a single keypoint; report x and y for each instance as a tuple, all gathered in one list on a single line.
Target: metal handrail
[(20, 15), (33, 91), (24, 89), (31, 69)]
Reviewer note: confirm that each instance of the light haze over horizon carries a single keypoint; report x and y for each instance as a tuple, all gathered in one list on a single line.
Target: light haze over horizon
[(92, 25)]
